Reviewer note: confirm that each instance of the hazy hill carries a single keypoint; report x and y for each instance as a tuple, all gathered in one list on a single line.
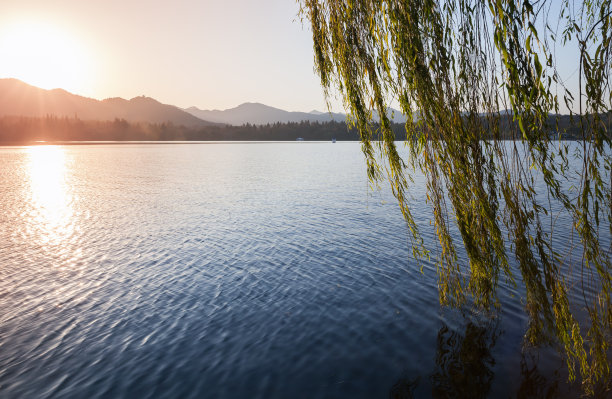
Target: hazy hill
[(20, 99), (260, 114), (150, 110)]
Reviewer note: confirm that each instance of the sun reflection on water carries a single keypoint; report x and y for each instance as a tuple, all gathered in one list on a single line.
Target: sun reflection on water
[(51, 221)]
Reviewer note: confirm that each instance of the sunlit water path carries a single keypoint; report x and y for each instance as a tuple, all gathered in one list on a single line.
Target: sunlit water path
[(232, 271)]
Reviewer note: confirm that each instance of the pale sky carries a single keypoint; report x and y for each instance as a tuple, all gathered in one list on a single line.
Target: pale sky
[(211, 54), (203, 53)]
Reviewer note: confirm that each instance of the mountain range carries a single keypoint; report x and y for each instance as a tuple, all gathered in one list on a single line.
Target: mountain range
[(260, 114), (20, 99)]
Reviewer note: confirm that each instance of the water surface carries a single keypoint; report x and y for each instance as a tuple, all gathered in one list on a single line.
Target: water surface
[(232, 270)]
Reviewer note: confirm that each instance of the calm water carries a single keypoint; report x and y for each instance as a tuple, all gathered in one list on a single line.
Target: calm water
[(231, 271)]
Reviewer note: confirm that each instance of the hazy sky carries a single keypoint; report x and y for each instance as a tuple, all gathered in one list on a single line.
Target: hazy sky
[(211, 54)]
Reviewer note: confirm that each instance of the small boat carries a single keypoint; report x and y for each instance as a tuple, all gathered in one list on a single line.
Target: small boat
[(299, 139)]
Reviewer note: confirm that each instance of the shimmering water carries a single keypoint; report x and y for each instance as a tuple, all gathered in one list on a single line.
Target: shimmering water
[(231, 271)]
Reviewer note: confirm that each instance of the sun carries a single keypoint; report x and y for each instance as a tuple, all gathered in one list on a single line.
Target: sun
[(45, 56)]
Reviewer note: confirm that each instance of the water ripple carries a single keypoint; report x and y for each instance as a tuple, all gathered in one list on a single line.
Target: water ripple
[(233, 270)]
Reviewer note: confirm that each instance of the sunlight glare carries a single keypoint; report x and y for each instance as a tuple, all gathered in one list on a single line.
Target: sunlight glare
[(44, 56), (51, 217)]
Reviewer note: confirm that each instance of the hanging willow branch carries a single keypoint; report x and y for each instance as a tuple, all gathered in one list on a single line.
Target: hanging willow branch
[(453, 66)]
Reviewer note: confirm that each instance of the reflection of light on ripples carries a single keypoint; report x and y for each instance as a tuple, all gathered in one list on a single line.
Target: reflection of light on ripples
[(50, 220)]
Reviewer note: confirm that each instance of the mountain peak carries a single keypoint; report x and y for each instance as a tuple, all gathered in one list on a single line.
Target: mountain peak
[(254, 105), (144, 99)]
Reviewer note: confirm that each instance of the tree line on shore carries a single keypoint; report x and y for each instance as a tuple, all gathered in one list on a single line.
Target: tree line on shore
[(21, 129), (52, 128)]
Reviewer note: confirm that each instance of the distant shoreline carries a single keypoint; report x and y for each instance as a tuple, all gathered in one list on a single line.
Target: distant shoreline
[(21, 130), (210, 142), (128, 142)]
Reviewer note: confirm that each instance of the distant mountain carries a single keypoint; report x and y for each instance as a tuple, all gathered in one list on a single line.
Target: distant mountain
[(260, 114), (20, 99)]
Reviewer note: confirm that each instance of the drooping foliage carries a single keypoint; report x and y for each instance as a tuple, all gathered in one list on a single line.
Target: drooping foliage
[(458, 69)]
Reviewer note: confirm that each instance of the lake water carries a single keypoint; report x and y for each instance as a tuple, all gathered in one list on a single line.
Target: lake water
[(232, 270)]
